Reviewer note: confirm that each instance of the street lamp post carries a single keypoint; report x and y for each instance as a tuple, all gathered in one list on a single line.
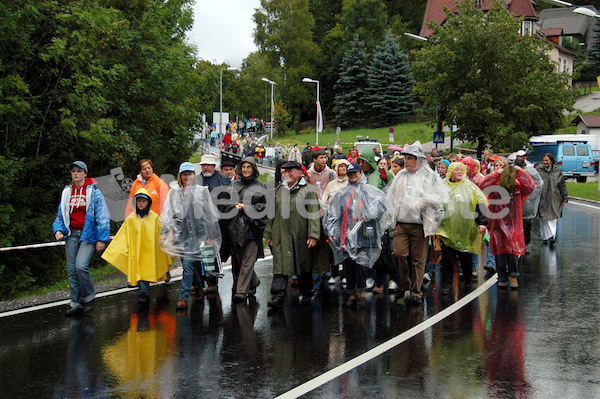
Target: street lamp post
[(221, 95), (272, 105), (309, 80)]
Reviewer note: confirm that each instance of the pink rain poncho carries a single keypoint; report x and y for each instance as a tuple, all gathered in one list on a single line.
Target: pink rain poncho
[(506, 212)]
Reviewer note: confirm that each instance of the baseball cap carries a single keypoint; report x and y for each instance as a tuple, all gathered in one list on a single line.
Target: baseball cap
[(187, 167), (81, 164)]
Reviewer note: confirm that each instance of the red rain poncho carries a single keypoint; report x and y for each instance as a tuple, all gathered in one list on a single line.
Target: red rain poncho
[(506, 232)]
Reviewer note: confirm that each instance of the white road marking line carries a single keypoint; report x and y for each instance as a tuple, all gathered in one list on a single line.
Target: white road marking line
[(384, 347), (574, 202), (100, 295)]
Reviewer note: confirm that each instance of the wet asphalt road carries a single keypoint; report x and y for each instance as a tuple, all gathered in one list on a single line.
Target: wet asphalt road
[(540, 341)]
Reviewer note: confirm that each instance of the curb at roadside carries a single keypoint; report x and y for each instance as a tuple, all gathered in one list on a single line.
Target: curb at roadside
[(585, 200)]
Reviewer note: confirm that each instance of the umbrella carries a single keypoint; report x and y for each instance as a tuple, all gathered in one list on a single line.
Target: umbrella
[(394, 147)]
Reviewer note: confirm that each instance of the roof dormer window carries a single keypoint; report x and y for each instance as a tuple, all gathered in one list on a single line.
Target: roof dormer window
[(478, 3)]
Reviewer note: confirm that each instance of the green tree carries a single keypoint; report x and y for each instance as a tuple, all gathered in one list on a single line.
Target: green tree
[(499, 88), (282, 119), (351, 108), (367, 18), (284, 33), (105, 81), (390, 80)]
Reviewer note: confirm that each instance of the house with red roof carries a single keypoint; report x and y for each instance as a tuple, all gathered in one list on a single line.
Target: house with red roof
[(564, 58)]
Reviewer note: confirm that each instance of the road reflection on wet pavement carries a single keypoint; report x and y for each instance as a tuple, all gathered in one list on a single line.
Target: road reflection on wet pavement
[(540, 341)]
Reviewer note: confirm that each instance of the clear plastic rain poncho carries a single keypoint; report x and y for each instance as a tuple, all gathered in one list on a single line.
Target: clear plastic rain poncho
[(459, 228), (418, 197), (357, 217), (190, 222)]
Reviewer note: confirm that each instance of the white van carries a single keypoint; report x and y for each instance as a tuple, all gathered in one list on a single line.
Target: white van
[(364, 144)]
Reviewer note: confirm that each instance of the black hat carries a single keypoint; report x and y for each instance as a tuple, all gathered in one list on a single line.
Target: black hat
[(291, 165), (230, 159)]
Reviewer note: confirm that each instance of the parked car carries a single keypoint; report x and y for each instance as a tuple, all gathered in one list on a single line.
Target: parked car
[(575, 158)]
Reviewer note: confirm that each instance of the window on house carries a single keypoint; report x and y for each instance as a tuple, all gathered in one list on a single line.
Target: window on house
[(560, 64), (565, 67), (477, 3), (526, 29)]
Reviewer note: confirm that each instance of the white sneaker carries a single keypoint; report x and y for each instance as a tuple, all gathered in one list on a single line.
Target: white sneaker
[(392, 286), (344, 281), (370, 283), (426, 278), (333, 280)]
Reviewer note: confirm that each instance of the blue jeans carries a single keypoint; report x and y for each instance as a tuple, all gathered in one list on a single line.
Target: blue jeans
[(190, 277), (79, 254), (491, 260)]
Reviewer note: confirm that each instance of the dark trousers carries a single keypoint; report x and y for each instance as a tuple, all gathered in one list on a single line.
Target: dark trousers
[(449, 255), (355, 276), (507, 265), (527, 230), (280, 283)]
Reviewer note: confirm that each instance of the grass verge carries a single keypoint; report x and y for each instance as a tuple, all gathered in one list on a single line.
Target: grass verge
[(584, 190)]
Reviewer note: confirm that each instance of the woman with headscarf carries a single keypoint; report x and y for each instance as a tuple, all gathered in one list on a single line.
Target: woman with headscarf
[(146, 178), (442, 168), (511, 185), (340, 167), (190, 229), (460, 235), (247, 196), (554, 197)]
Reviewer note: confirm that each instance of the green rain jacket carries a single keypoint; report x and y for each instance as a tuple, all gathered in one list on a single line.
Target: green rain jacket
[(290, 233), (374, 178)]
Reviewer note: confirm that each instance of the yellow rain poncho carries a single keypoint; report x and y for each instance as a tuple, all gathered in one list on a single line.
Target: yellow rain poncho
[(459, 228), (135, 250)]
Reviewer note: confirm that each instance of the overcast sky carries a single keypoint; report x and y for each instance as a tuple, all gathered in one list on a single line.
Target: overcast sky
[(223, 29)]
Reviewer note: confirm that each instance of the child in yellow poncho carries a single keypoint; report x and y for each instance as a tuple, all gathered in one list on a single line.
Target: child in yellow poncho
[(135, 250)]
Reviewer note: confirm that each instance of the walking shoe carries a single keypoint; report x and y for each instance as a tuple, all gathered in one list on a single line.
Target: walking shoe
[(513, 282), (489, 271), (72, 311), (361, 299), (344, 281), (378, 290), (88, 307), (552, 242), (446, 289), (417, 300), (294, 283), (370, 283), (502, 284), (351, 301), (252, 291), (181, 304), (275, 303), (392, 286), (545, 242), (426, 278), (333, 280)]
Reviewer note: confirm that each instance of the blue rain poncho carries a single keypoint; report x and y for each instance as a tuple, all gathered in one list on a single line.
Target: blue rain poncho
[(190, 222), (357, 217), (459, 229)]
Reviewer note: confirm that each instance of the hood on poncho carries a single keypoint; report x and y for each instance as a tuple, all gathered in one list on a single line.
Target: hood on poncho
[(369, 157), (251, 161)]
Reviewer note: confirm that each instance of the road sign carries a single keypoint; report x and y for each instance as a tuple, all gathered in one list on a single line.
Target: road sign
[(438, 137)]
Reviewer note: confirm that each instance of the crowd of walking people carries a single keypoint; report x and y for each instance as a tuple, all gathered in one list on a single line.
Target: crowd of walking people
[(365, 221)]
